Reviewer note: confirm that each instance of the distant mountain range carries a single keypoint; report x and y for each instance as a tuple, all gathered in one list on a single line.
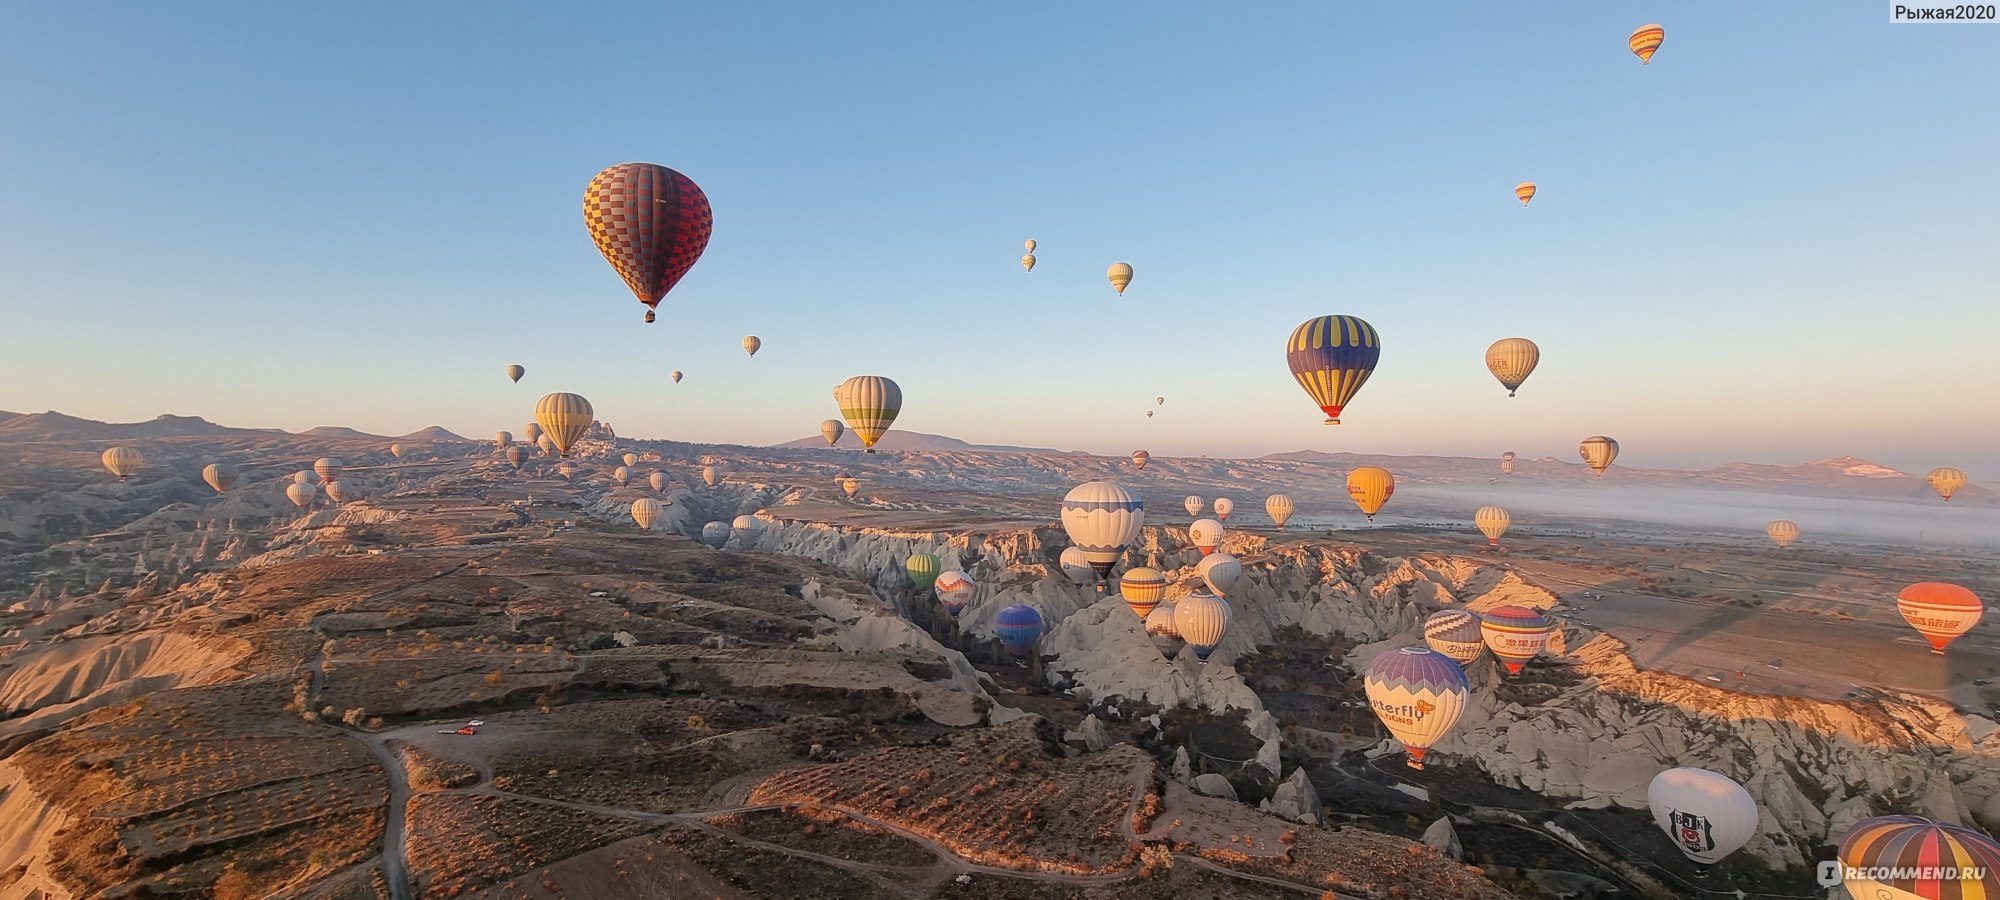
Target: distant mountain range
[(911, 441), (55, 426)]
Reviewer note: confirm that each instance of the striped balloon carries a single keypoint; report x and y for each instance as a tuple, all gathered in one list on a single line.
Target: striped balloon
[(1019, 627), (1160, 622), (219, 476), (1193, 505), (303, 476), (1201, 619), (1515, 634), (1645, 41), (1784, 531), (1102, 518), (1221, 571), (300, 493), (1418, 694), (955, 589), (1223, 507), (1120, 275), (751, 343), (1512, 360), (564, 418), (1076, 566), (1946, 481), (658, 480), (1028, 261), (337, 492), (1371, 487), (1507, 463), (1143, 588), (1206, 534), (1455, 633), (1279, 507), (1332, 357), (1139, 458), (646, 511), (870, 404), (327, 468), (1939, 611), (1707, 814), (1598, 451), (651, 223), (831, 429), (922, 569), (1492, 522), (1919, 847), (1525, 191)]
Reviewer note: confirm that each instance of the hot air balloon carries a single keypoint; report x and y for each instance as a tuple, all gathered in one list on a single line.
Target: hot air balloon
[(1028, 245), (518, 456), (922, 569), (300, 494), (658, 480), (1028, 261), (1371, 487), (621, 475), (1910, 846), (630, 459), (327, 468), (1149, 414), (1019, 627), (1279, 507), (1201, 619), (1332, 357), (831, 429), (1076, 566), (1455, 633), (851, 487), (870, 404), (1645, 41), (651, 223), (303, 476), (338, 492), (1139, 458), (532, 434), (1102, 518), (502, 438), (1525, 191), (1418, 694), (954, 590), (564, 418), (1120, 275), (715, 534), (1143, 588), (1492, 522), (1515, 634), (1193, 505), (1706, 814), (1598, 451), (397, 450), (675, 375), (750, 344), (1221, 571), (1512, 360), (219, 476), (1946, 481), (1160, 627), (1507, 463), (548, 446), (746, 527), (1223, 507), (1159, 401), (710, 476), (1784, 531), (514, 373), (1205, 534), (566, 470), (646, 511), (1939, 611)]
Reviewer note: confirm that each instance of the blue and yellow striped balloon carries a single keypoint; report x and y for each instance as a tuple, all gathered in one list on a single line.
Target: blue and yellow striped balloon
[(1332, 357)]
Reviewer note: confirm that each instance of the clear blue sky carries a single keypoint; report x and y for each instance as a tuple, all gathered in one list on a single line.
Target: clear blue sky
[(1776, 243)]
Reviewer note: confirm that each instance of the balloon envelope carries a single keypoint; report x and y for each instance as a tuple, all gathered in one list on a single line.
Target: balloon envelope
[(658, 480), (1598, 451), (1139, 458), (1706, 814), (870, 404), (1120, 275), (1221, 571), (1946, 481), (327, 468), (1332, 357), (1205, 534), (710, 476), (1418, 694), (676, 376), (831, 429), (514, 373), (1645, 41), (630, 459), (1076, 565), (1492, 522), (518, 456), (1019, 627), (1512, 360), (1143, 588), (1939, 611), (715, 534), (1912, 844), (1515, 634), (219, 476), (750, 344), (1223, 507), (1455, 633), (1371, 487), (1784, 531), (564, 418), (1201, 619), (922, 569), (1102, 518), (300, 493), (646, 511), (1279, 507), (954, 590), (1193, 505), (651, 223), (1525, 191)]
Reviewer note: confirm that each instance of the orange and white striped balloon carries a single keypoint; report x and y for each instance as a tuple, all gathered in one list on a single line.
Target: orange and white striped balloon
[(1646, 41), (1525, 191), (1784, 531), (1939, 611)]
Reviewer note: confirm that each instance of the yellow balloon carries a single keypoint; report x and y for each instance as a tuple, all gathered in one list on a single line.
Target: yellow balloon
[(750, 344), (1028, 261), (1512, 360), (1783, 531), (1944, 479), (1525, 191), (1371, 487), (1598, 451), (1120, 275), (564, 418), (1646, 41)]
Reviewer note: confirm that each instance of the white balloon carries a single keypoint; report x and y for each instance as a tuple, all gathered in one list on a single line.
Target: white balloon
[(1706, 814)]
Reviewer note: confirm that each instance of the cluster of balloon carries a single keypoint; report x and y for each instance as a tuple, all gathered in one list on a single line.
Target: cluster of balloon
[(1332, 357), (831, 429), (646, 511), (1121, 275), (1783, 531), (219, 476), (1102, 518), (1139, 458), (1142, 588), (955, 590), (514, 373), (869, 403), (1206, 535), (1279, 507), (1201, 619), (1598, 451), (1939, 611), (1946, 481), (651, 223), (715, 534), (1492, 522), (1515, 634), (1028, 258), (1223, 507), (1908, 854), (750, 344), (1371, 487), (1512, 360), (563, 419), (922, 569), (1455, 633), (1418, 694), (1019, 627), (1193, 505), (1706, 814)]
